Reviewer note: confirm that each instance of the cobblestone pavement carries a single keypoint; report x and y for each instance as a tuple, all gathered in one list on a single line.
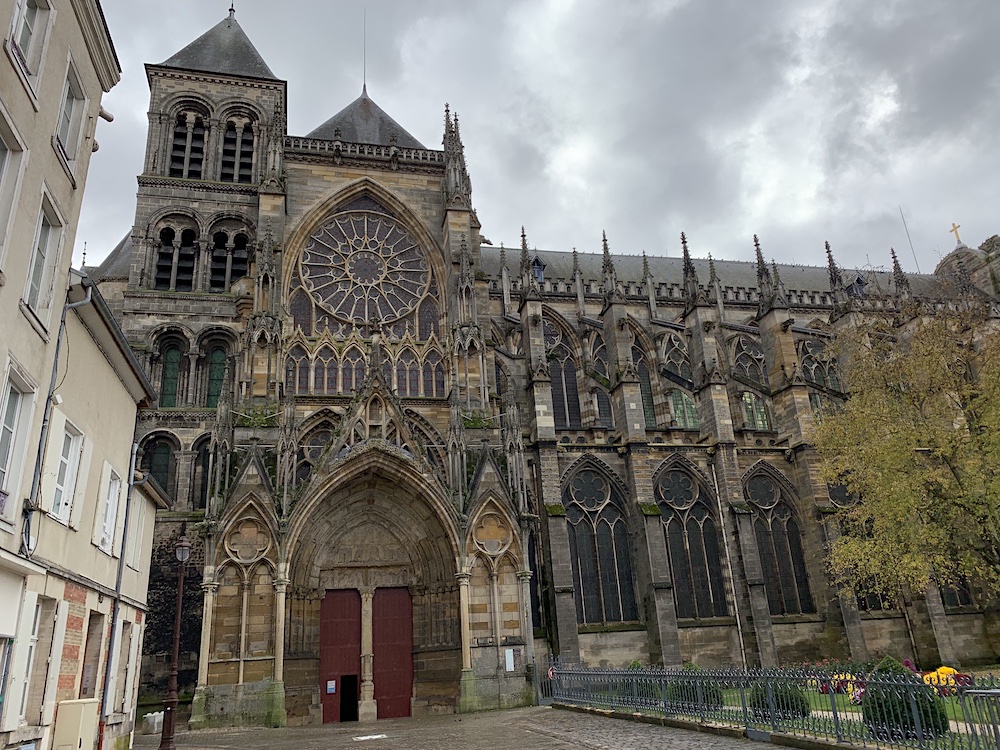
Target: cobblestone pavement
[(520, 729)]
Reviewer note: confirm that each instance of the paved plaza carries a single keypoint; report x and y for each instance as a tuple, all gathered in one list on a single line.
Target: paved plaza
[(520, 729)]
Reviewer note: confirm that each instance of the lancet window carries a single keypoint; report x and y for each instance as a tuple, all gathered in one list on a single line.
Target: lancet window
[(685, 412), (216, 375), (645, 385), (229, 260), (565, 393), (433, 375), (175, 261), (779, 542), (602, 401), (325, 372), (407, 374), (754, 412), (599, 550), (297, 371), (694, 546), (353, 371), (170, 374), (158, 460)]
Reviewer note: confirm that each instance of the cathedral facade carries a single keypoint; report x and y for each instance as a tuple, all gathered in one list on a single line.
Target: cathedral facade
[(420, 465)]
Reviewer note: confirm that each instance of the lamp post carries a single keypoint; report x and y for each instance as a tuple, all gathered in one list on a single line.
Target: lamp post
[(182, 550)]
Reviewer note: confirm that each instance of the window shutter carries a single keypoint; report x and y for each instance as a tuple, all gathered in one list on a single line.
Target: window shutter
[(55, 661), (113, 666), (133, 667), (80, 495), (53, 451), (19, 663), (100, 507)]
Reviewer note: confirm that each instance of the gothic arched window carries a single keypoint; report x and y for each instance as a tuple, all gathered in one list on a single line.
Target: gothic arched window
[(325, 372), (605, 417), (684, 410), (754, 412), (779, 542), (565, 395), (748, 359), (694, 546), (187, 149), (676, 359), (817, 366), (216, 375), (599, 550), (353, 371), (184, 271), (170, 376), (407, 374), (158, 460), (164, 260), (237, 151), (645, 385), (202, 468), (428, 317), (297, 371), (433, 375)]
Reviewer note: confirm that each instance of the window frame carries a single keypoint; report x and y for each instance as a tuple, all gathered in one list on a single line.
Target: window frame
[(67, 473), (41, 306), (68, 136), (29, 63), (106, 522), (11, 174), (32, 646), (10, 482)]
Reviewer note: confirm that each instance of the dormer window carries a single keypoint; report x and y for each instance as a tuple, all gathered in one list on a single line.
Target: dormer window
[(538, 270), (237, 151), (187, 151)]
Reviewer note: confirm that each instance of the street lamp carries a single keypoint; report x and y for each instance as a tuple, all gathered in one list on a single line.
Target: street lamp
[(182, 550)]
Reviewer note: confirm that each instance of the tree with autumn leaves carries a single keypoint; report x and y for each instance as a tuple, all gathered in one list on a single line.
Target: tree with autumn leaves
[(914, 453)]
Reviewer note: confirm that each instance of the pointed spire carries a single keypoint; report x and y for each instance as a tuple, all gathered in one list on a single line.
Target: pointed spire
[(503, 255), (899, 278), (835, 280), (692, 289), (713, 277), (645, 266), (576, 262), (780, 297), (608, 266), (763, 274), (232, 11), (525, 261)]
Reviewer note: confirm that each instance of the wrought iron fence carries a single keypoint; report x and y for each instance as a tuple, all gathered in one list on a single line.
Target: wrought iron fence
[(877, 709)]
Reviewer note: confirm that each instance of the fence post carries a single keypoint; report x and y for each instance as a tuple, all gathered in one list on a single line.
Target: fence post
[(915, 709), (769, 681), (832, 692), (743, 702)]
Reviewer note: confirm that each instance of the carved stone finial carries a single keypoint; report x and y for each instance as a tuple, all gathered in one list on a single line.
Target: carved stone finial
[(232, 11), (835, 280), (645, 266), (503, 255), (576, 263), (899, 278)]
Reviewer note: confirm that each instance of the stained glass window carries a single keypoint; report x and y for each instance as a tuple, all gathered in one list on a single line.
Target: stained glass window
[(817, 366), (433, 375), (684, 409), (297, 371), (407, 374), (428, 318), (363, 267), (645, 386), (599, 551), (170, 378), (158, 460), (676, 357), (749, 359), (216, 374), (754, 412), (694, 546), (353, 371), (565, 396), (779, 542), (325, 372), (201, 469)]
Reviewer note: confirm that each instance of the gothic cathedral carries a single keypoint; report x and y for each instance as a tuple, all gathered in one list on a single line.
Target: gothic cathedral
[(416, 466)]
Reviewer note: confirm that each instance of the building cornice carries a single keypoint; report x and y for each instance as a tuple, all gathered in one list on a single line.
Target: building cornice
[(98, 40)]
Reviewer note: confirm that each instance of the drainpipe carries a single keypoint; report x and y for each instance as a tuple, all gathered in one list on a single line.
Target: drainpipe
[(729, 564), (31, 504), (116, 606)]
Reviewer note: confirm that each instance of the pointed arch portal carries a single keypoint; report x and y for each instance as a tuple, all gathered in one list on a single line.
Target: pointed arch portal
[(373, 597)]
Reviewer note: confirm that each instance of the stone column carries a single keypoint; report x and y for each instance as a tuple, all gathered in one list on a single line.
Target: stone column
[(524, 576), (280, 588), (662, 593), (754, 575), (847, 602), (184, 461), (940, 625), (367, 708), (463, 604), (208, 587), (192, 384)]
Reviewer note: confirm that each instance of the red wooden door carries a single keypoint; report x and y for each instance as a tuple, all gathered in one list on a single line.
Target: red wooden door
[(339, 649), (392, 631)]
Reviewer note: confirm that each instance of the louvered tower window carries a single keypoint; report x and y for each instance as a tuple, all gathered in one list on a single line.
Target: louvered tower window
[(237, 152), (187, 150)]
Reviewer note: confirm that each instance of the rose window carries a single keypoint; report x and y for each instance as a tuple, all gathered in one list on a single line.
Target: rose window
[(363, 267)]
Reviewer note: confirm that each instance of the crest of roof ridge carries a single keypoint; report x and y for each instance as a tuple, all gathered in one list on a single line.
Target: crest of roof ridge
[(226, 49), (363, 121)]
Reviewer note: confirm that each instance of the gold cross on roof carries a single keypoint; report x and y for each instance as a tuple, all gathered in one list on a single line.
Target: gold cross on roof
[(954, 230)]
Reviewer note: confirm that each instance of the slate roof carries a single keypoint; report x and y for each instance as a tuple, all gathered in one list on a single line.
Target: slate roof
[(116, 265), (225, 49), (732, 273), (363, 121)]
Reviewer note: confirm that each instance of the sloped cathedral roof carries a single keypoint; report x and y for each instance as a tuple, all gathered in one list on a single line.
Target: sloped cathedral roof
[(224, 48), (363, 121)]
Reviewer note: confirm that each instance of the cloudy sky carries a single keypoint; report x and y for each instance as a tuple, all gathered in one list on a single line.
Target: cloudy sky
[(798, 120)]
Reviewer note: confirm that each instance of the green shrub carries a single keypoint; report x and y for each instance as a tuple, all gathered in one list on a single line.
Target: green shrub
[(890, 710), (790, 701), (691, 691)]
